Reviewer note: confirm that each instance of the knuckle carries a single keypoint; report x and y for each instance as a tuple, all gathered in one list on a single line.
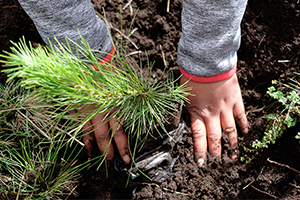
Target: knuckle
[(198, 112), (229, 129), (193, 110), (232, 138), (240, 117), (247, 127), (214, 138), (198, 133), (101, 137), (109, 156), (118, 132), (201, 112), (88, 137)]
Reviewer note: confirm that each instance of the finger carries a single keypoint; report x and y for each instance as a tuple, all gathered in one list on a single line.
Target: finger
[(101, 132), (121, 139), (229, 128), (240, 117), (74, 116), (199, 139), (88, 139), (214, 135)]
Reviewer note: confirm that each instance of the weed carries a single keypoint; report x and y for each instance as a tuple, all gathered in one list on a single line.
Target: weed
[(286, 117), (31, 144), (37, 173)]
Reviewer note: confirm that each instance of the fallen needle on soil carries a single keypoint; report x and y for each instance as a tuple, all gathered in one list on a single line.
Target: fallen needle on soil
[(283, 165), (264, 192)]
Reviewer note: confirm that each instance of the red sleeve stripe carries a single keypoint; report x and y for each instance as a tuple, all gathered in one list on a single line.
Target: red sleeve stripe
[(209, 79), (107, 58)]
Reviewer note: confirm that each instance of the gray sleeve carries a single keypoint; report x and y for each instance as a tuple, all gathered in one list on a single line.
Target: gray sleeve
[(210, 36), (65, 18)]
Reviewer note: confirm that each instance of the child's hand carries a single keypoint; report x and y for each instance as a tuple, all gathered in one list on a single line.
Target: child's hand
[(95, 130), (215, 107)]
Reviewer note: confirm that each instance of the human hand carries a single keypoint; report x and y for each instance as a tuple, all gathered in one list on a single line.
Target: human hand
[(215, 106), (97, 131)]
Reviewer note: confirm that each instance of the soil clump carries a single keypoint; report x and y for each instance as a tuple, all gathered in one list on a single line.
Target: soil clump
[(270, 35)]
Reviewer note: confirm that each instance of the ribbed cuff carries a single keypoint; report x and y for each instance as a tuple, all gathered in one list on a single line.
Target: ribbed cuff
[(107, 58), (209, 79)]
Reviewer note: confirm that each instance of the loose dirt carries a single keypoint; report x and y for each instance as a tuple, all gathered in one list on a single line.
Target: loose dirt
[(270, 34)]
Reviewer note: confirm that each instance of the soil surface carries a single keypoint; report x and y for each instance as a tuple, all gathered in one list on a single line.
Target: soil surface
[(270, 35)]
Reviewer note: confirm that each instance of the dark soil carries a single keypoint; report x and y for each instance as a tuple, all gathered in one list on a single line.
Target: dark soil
[(270, 33)]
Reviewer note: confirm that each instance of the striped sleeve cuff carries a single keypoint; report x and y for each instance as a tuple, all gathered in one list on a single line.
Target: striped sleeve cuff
[(107, 58), (209, 79)]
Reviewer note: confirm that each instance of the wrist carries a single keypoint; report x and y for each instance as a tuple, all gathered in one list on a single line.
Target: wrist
[(107, 58), (209, 79)]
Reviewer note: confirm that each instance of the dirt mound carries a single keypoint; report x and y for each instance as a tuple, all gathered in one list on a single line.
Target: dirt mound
[(270, 50)]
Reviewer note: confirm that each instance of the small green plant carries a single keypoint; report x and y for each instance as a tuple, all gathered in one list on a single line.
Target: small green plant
[(64, 80), (288, 116), (34, 112), (33, 159), (37, 173), (20, 111)]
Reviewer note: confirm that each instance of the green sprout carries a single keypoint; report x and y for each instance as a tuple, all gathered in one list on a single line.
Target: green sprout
[(44, 85), (37, 173), (33, 161), (20, 111), (64, 80), (288, 115)]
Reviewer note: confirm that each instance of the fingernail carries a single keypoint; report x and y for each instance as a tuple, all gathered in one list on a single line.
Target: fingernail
[(126, 159), (233, 156), (200, 162)]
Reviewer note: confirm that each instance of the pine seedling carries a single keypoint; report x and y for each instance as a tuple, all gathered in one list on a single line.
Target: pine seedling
[(23, 114), (63, 79), (27, 119), (38, 173)]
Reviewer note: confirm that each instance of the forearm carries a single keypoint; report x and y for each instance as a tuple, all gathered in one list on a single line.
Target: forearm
[(68, 18), (211, 36)]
